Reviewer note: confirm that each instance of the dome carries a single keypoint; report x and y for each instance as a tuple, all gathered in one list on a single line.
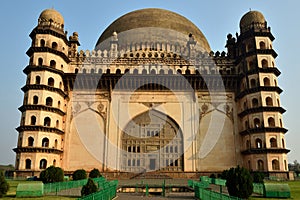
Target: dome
[(154, 25), (51, 14), (252, 17)]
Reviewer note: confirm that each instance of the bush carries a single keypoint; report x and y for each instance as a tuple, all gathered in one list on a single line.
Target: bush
[(79, 174), (52, 174), (4, 186), (239, 182), (258, 177), (212, 176), (89, 188), (95, 173)]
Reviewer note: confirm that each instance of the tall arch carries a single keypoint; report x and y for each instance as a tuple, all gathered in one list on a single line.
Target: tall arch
[(152, 141)]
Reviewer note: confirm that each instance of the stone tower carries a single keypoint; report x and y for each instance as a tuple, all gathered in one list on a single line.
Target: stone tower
[(42, 127), (260, 114)]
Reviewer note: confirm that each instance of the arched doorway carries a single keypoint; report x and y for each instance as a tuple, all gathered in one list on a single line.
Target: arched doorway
[(152, 141)]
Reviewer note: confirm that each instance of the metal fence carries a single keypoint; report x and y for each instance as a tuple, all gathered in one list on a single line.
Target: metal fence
[(108, 191), (57, 187)]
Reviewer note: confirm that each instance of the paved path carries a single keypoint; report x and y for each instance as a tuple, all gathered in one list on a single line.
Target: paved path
[(134, 196)]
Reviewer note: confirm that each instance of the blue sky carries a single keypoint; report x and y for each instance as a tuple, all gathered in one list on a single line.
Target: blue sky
[(89, 18)]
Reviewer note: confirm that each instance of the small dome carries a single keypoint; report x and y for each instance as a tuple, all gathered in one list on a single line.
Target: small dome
[(252, 17), (53, 15)]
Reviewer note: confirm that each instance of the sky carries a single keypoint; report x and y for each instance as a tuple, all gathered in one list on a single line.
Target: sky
[(90, 18)]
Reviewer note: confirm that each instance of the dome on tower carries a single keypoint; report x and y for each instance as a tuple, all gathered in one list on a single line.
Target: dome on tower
[(153, 25), (252, 17), (51, 15)]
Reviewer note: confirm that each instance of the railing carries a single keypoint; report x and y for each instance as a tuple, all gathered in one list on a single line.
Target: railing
[(108, 191), (56, 187), (258, 188)]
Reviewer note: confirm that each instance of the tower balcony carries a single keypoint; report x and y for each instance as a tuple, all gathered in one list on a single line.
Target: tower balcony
[(265, 150), (37, 150), (39, 128), (259, 89), (23, 108), (33, 50), (263, 130), (261, 109), (44, 87)]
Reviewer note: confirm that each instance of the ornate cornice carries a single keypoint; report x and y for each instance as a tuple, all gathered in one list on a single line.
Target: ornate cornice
[(32, 50), (262, 109), (44, 87), (31, 68), (259, 89), (265, 150), (23, 108), (39, 128), (37, 150), (263, 130), (49, 30)]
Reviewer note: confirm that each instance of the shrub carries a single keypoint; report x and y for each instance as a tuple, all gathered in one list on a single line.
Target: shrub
[(95, 173), (258, 177), (79, 174), (239, 182), (89, 188), (4, 186), (52, 174), (212, 176)]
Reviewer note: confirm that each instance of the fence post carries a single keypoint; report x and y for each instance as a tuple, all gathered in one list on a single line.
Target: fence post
[(147, 190)]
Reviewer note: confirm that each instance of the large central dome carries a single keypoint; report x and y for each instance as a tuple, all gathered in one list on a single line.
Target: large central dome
[(159, 19)]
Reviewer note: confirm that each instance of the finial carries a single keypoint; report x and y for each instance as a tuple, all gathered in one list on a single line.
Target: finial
[(250, 9)]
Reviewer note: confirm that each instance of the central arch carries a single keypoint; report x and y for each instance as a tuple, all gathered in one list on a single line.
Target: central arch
[(152, 141)]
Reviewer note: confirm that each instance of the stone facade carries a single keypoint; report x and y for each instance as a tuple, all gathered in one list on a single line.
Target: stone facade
[(152, 97)]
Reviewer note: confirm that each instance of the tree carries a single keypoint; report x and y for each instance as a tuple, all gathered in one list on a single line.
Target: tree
[(4, 186), (258, 177), (52, 174), (239, 182), (79, 174), (95, 173), (89, 188)]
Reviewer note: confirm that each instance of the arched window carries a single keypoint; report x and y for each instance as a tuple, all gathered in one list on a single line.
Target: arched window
[(126, 71), (251, 65), (57, 124), (267, 82), (275, 164), (260, 165), (54, 162), (253, 83), (254, 102), (179, 71), (37, 80), (76, 71), (264, 63), (42, 43), (58, 104), (262, 45), (54, 45), (33, 120), (55, 144), (35, 100), (248, 146), (273, 142), (60, 85), (245, 105), (170, 71), (271, 122), (269, 101), (135, 71), (257, 123), (27, 164), (45, 142), (278, 103), (30, 141), (118, 71), (161, 71), (43, 164), (144, 71), (52, 63), (100, 71), (40, 61), (49, 101), (51, 82), (152, 71), (187, 72), (246, 124), (283, 144), (275, 83), (47, 121), (280, 122), (258, 143), (92, 71), (108, 71)]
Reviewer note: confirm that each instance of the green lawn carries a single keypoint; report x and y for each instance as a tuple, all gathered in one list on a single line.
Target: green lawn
[(295, 191)]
